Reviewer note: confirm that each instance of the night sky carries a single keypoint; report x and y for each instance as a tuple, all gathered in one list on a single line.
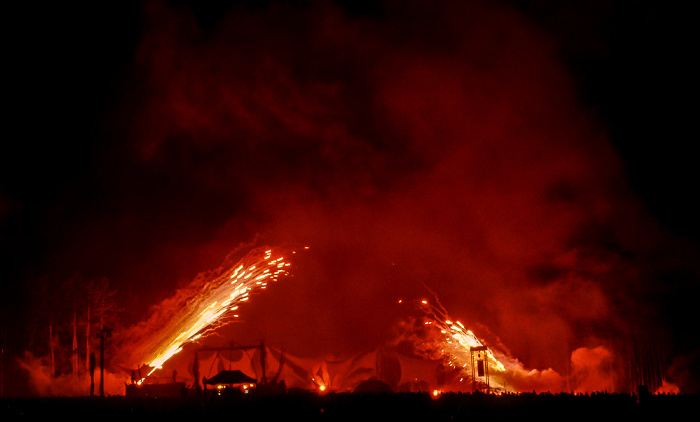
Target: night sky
[(529, 162)]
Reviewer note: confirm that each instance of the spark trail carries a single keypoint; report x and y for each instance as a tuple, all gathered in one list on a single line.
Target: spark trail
[(214, 300), (456, 343)]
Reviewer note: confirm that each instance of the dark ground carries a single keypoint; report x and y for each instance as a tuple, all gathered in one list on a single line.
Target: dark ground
[(359, 407)]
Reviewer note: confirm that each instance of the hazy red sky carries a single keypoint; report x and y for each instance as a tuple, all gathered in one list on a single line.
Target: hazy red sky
[(492, 153)]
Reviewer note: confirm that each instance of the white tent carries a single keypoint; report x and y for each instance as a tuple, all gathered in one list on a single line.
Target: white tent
[(398, 371)]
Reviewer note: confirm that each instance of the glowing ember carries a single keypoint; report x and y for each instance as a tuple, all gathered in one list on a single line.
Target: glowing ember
[(222, 293)]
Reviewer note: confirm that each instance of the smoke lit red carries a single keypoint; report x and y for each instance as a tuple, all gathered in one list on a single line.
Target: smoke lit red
[(444, 145)]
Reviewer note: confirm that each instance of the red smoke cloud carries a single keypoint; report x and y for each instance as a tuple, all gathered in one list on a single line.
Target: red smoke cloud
[(592, 369), (445, 148)]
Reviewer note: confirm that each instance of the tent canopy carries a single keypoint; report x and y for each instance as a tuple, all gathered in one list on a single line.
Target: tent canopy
[(230, 377), (335, 373)]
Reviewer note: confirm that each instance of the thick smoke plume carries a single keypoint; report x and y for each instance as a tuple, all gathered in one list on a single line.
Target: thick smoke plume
[(449, 150), (439, 145)]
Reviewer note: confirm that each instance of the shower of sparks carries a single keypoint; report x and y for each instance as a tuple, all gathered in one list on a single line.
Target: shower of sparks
[(217, 302), (457, 342)]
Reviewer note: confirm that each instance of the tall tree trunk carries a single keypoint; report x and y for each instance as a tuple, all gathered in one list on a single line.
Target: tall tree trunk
[(2, 363), (53, 361), (92, 374), (75, 350), (102, 363), (87, 341)]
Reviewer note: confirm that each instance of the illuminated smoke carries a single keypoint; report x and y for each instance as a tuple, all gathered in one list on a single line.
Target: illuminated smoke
[(457, 343), (592, 369), (441, 337), (44, 383), (451, 143), (445, 140)]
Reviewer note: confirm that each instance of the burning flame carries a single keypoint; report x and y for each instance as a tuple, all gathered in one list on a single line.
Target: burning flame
[(222, 294)]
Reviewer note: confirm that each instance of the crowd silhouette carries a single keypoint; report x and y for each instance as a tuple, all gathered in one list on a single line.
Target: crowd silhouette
[(310, 406)]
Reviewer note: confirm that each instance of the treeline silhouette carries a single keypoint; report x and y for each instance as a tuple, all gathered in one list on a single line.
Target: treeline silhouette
[(309, 406)]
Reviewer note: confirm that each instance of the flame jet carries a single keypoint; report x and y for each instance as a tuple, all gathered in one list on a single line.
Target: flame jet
[(212, 299)]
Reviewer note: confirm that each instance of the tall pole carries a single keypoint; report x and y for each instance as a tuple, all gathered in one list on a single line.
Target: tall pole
[(262, 360), (488, 376), (471, 355)]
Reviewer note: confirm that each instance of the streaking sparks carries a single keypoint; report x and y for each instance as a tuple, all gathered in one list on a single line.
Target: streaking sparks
[(457, 342), (222, 293)]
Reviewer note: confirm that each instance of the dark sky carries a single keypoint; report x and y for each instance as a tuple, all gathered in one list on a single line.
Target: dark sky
[(531, 162)]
